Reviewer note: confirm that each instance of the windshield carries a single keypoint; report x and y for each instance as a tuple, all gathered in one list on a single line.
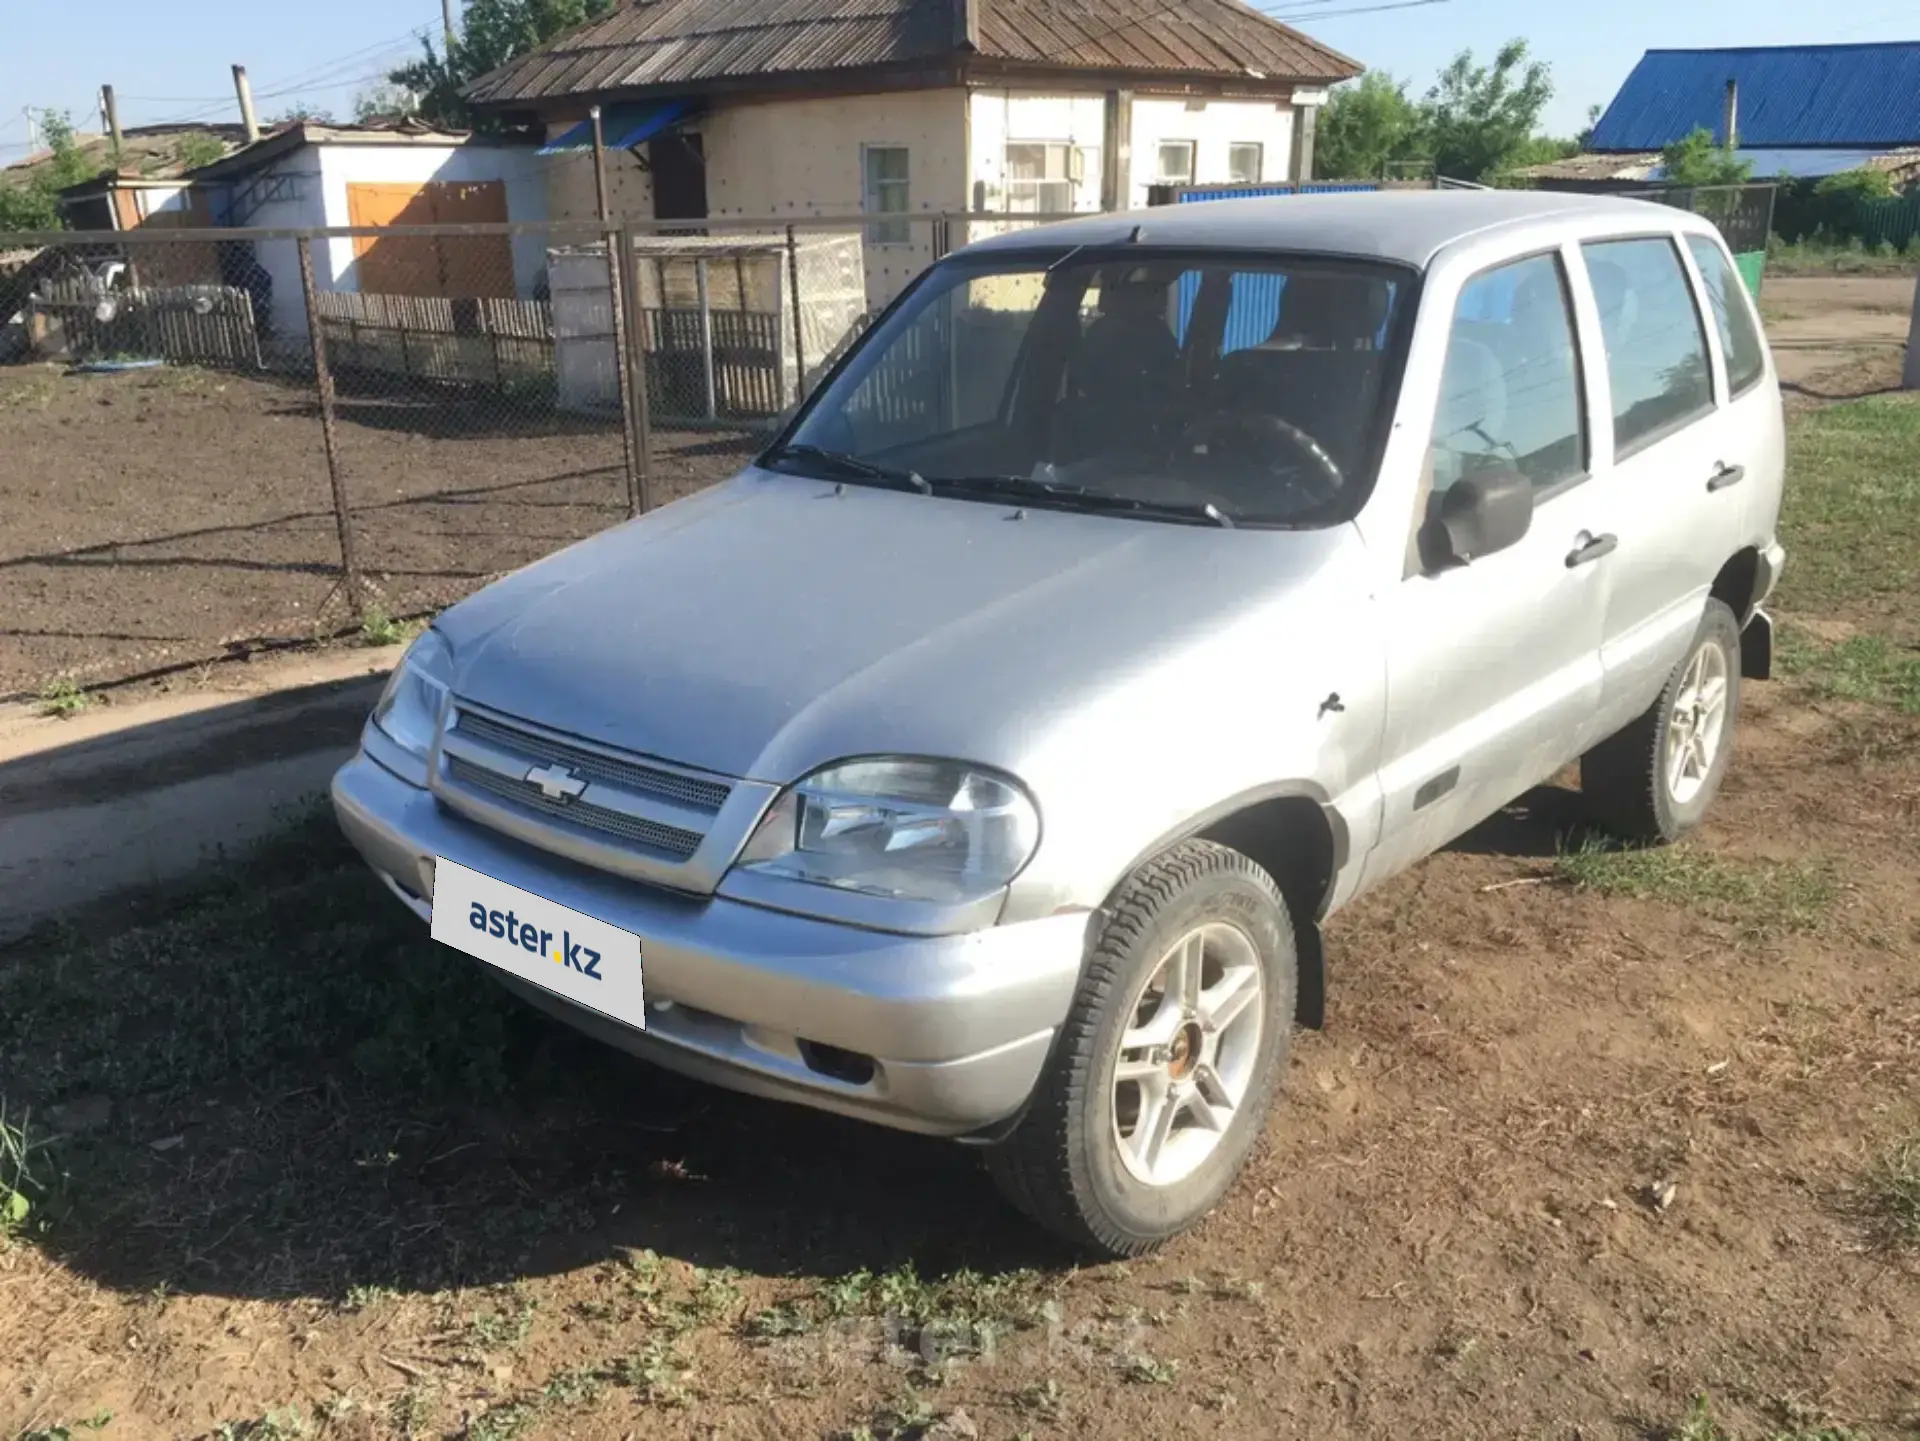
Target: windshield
[(1210, 388)]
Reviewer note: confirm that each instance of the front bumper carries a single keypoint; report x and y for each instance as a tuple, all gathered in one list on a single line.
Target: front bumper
[(956, 1028)]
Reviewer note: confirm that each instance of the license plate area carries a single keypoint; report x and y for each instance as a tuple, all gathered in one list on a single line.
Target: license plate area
[(565, 951)]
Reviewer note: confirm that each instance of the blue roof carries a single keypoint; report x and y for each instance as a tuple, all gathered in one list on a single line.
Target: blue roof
[(1790, 95), (621, 127)]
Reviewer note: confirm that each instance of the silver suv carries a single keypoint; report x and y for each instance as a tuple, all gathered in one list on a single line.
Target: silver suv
[(984, 760)]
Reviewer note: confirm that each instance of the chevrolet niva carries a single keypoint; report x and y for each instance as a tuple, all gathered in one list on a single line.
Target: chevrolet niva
[(985, 758)]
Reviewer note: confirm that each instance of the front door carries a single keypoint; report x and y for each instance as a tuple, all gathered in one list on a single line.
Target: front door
[(1493, 668), (679, 176)]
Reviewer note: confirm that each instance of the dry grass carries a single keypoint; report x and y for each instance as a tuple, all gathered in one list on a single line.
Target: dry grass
[(1754, 897), (1893, 1187)]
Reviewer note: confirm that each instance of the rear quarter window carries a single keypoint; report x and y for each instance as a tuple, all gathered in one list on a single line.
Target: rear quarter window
[(1732, 316), (1655, 343)]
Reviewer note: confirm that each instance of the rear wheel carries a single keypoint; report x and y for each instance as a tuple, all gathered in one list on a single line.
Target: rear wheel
[(1654, 780), (1161, 1078)]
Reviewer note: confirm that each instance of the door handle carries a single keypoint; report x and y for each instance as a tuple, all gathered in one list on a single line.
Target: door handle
[(1592, 549), (1725, 476)]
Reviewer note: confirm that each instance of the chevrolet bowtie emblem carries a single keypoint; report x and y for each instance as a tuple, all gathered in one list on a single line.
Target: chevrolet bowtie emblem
[(556, 783)]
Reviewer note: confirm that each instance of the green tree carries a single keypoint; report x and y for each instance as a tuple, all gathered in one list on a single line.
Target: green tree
[(492, 32), (1365, 126), (1479, 118), (1697, 160), (1861, 183), (32, 203), (197, 148), (1584, 138), (1539, 149), (313, 114), (384, 100)]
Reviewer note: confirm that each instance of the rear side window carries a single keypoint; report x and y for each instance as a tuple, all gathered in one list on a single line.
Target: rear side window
[(1656, 348), (1510, 393), (1739, 336)]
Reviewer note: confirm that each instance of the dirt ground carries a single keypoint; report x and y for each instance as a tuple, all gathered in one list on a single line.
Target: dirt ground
[(159, 518), (1836, 337), (1453, 1229), (1590, 1136)]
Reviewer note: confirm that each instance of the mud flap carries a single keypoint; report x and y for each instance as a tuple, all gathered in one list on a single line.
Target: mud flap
[(1756, 646)]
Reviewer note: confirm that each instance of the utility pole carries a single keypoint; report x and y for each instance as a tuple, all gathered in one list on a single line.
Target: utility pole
[(446, 16), (111, 112)]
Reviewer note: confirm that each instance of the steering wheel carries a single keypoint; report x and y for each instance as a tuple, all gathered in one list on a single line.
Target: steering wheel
[(1251, 433)]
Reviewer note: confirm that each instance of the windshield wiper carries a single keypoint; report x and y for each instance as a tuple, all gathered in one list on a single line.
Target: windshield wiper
[(1078, 497), (852, 465)]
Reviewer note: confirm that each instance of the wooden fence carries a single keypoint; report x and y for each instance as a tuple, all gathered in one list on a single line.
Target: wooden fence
[(80, 319), (746, 363), (471, 340)]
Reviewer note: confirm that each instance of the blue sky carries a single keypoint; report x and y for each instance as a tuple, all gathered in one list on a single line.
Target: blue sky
[(171, 60)]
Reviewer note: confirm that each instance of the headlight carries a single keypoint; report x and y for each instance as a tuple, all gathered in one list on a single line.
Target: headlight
[(911, 829), (409, 708)]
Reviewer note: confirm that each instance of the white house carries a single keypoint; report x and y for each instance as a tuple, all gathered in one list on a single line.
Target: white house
[(712, 108), (385, 173)]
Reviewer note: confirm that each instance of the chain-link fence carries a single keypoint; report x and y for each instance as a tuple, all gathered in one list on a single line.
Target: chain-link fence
[(217, 442)]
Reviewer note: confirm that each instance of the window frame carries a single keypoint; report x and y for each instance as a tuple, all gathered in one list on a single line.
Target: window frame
[(1705, 297), (1259, 149), (1556, 252), (1066, 149), (1192, 177), (877, 231), (1667, 429)]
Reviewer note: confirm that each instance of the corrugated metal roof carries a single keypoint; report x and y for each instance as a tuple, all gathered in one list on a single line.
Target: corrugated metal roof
[(1205, 37), (1790, 95), (683, 43), (1800, 162)]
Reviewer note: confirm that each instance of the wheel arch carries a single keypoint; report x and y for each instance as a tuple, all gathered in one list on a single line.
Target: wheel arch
[(1738, 583), (1292, 831)]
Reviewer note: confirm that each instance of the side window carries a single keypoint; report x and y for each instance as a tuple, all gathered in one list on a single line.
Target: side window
[(1656, 348), (1739, 336), (1510, 394)]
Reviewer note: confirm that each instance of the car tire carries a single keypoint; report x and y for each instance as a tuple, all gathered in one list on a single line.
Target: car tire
[(1653, 780), (1183, 1018)]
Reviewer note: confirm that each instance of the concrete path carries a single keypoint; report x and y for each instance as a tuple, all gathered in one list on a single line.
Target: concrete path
[(130, 795)]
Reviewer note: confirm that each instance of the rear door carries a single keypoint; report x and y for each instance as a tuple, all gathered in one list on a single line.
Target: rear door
[(1672, 519), (1753, 439), (1493, 669)]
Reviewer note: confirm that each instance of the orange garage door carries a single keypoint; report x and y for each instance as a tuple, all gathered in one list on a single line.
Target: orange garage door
[(435, 265)]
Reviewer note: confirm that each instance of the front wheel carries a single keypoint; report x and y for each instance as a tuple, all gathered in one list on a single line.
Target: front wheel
[(1161, 1077), (1653, 780)]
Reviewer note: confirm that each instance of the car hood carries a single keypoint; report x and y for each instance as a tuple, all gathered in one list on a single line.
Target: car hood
[(773, 624)]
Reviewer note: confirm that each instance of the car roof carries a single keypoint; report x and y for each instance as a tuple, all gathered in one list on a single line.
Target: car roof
[(1408, 226)]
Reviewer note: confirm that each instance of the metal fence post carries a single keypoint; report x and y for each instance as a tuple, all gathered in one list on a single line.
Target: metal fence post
[(323, 381), (799, 330), (706, 337), (642, 401), (623, 365), (1910, 373)]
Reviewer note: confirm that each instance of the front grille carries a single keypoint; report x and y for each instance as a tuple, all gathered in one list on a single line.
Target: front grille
[(668, 841), (592, 765)]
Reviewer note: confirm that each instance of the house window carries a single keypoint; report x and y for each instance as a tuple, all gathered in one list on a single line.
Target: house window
[(884, 192), (1047, 177), (1245, 163), (1175, 164)]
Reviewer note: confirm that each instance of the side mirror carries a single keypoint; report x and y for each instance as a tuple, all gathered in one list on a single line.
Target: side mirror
[(1483, 512)]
